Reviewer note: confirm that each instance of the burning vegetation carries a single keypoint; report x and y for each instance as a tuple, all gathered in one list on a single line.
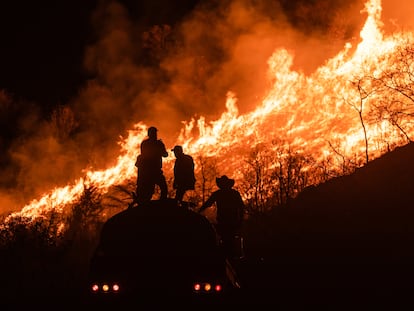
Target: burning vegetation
[(305, 130)]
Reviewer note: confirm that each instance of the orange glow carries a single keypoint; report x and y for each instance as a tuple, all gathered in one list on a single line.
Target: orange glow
[(207, 287), (306, 113)]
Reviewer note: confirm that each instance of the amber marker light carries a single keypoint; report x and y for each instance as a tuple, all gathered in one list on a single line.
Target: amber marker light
[(105, 287), (207, 287)]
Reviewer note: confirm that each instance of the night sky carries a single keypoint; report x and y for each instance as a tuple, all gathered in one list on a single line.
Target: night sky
[(42, 47), (42, 44)]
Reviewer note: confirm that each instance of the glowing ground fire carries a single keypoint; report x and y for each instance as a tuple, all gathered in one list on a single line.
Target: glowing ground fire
[(319, 114)]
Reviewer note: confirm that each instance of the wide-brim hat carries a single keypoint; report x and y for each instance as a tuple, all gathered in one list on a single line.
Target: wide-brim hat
[(224, 182)]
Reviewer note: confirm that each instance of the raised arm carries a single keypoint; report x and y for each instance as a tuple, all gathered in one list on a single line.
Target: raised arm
[(210, 201)]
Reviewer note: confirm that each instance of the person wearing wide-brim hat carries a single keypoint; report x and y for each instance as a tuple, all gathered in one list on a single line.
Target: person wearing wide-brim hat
[(224, 182), (230, 211)]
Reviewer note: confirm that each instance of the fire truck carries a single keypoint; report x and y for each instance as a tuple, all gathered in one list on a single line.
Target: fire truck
[(156, 253)]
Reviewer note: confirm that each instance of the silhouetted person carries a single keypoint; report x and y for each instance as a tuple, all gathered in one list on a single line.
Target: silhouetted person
[(184, 178), (149, 164), (230, 210)]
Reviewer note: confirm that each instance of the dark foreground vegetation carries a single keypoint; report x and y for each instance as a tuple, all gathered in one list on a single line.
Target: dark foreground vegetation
[(347, 243)]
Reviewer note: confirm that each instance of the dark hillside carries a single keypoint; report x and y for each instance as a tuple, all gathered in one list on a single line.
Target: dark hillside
[(386, 181), (377, 198), (349, 237)]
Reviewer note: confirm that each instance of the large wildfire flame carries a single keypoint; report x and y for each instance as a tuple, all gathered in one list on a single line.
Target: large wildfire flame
[(305, 112)]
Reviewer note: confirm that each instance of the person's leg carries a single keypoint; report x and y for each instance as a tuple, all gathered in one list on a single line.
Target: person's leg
[(229, 236), (179, 194), (162, 183), (145, 188), (145, 192), (138, 189)]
